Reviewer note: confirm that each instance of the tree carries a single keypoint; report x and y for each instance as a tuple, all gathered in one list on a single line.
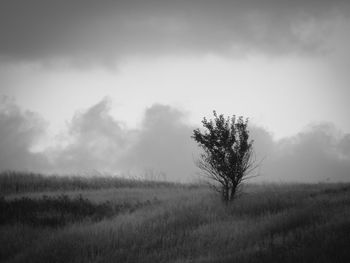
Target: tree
[(227, 157)]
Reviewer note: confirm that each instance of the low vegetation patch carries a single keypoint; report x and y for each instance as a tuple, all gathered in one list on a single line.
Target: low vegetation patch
[(59, 210), (21, 182), (268, 223)]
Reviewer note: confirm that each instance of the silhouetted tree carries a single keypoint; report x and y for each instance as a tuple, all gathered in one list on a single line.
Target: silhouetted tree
[(227, 156)]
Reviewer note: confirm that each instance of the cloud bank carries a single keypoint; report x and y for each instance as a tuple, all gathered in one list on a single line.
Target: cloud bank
[(19, 131), (161, 148), (95, 141), (163, 145), (88, 31), (319, 153)]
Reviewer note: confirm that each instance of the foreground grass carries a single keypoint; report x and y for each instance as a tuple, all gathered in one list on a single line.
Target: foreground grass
[(270, 223)]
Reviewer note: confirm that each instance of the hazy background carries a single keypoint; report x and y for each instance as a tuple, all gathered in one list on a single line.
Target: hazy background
[(118, 86)]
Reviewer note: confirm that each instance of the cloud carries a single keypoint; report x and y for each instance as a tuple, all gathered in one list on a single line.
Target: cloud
[(263, 142), (161, 148), (95, 141), (163, 145), (19, 132), (344, 146), (104, 31), (319, 153)]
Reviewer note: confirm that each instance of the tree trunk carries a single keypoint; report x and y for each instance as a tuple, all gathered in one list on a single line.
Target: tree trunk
[(225, 193), (232, 192)]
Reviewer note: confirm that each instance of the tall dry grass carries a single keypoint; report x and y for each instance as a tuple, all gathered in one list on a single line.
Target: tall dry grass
[(269, 223)]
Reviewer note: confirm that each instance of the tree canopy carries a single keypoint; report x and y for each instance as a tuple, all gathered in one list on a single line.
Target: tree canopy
[(227, 156)]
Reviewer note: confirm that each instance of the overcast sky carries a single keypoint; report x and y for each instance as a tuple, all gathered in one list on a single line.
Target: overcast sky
[(97, 84)]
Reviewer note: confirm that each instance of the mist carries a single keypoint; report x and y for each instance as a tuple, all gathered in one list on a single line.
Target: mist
[(19, 132), (161, 147)]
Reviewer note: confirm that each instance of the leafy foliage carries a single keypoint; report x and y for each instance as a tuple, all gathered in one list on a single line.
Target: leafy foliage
[(227, 155)]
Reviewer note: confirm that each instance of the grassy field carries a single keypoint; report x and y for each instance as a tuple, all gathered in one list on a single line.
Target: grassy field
[(164, 222)]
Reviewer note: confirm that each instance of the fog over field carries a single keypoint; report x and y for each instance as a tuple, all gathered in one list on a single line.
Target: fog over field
[(119, 86), (161, 147)]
